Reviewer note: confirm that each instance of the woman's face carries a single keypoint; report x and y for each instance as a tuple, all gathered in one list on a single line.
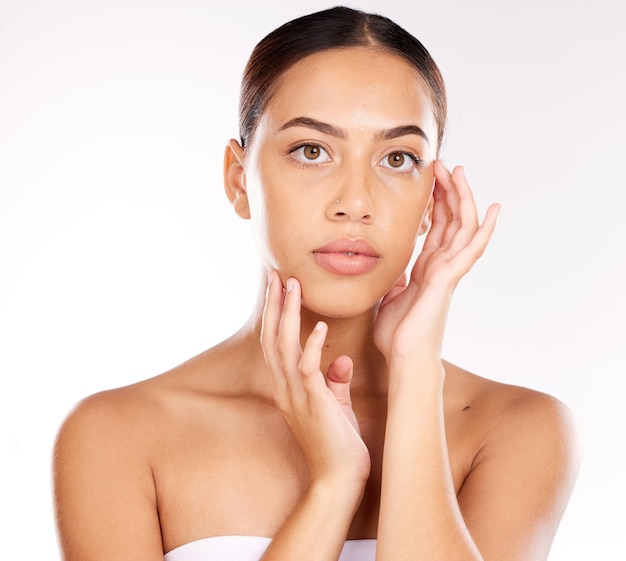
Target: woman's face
[(339, 175)]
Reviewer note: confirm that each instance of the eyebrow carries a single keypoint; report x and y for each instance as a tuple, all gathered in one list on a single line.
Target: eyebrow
[(326, 128), (403, 130), (307, 122)]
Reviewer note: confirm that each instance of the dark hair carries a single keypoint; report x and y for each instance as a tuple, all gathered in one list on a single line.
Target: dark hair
[(329, 29)]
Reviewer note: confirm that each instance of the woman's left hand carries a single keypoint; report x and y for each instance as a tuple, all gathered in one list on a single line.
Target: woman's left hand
[(412, 316)]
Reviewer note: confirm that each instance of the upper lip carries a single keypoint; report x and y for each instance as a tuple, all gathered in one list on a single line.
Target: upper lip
[(348, 246)]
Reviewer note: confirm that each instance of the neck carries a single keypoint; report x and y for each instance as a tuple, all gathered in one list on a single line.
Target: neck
[(352, 337)]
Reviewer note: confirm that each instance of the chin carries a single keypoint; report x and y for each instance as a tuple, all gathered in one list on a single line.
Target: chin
[(340, 302)]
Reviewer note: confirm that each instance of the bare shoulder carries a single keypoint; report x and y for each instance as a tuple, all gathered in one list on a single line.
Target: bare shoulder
[(110, 417), (109, 451), (110, 436), (104, 492), (506, 410), (138, 414), (523, 464)]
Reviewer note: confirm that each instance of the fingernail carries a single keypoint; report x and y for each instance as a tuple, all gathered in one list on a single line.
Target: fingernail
[(269, 277), (289, 286)]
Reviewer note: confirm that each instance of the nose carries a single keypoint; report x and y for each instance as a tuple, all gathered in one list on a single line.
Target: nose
[(352, 201)]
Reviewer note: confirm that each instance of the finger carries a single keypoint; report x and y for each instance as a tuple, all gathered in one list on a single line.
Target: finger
[(441, 212), (452, 202), (269, 329), (309, 365), (465, 195), (484, 233), (467, 205), (464, 223), (468, 214), (439, 218), (288, 338), (398, 288), (338, 379), (434, 238), (466, 258)]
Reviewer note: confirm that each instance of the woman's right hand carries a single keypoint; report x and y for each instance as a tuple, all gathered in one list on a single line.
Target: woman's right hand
[(317, 409)]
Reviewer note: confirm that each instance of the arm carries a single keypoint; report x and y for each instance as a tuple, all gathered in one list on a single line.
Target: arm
[(501, 512), (511, 501), (104, 493), (320, 416), (515, 495)]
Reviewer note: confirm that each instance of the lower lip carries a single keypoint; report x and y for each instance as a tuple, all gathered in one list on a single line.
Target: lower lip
[(345, 264)]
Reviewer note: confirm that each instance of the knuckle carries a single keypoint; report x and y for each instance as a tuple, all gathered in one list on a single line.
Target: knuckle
[(282, 347), (282, 401), (306, 366)]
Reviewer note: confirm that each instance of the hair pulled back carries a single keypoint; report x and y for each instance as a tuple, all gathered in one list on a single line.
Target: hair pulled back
[(329, 29)]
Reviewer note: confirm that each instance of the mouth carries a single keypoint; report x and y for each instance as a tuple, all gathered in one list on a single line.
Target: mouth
[(347, 257)]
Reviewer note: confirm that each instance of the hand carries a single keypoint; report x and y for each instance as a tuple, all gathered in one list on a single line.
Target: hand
[(413, 314), (318, 411)]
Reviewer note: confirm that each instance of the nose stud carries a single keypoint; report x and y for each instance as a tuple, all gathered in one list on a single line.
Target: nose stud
[(337, 201)]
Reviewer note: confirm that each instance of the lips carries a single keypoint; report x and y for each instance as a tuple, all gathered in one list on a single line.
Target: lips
[(347, 257)]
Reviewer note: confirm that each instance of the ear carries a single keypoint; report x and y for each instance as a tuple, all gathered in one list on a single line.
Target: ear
[(427, 219), (235, 178)]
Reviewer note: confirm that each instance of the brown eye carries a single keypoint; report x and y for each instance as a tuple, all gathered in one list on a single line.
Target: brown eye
[(311, 152), (401, 162), (396, 160)]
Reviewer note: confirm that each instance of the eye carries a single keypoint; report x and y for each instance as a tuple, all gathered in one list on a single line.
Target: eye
[(401, 161), (310, 154)]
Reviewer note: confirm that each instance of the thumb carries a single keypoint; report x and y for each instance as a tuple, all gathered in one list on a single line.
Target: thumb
[(398, 288), (338, 379)]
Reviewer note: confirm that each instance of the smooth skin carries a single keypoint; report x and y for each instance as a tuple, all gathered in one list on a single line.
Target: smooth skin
[(279, 430)]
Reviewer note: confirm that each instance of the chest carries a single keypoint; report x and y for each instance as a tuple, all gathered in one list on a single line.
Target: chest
[(242, 473)]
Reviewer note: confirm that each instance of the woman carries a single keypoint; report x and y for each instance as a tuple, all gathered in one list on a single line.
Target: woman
[(328, 426)]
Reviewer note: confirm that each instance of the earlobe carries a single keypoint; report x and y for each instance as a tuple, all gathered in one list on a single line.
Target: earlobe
[(235, 178)]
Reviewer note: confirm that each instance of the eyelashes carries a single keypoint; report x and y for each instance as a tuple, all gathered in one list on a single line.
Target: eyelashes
[(310, 154), (402, 160)]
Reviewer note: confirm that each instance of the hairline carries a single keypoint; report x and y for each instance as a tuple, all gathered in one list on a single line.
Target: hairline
[(368, 43)]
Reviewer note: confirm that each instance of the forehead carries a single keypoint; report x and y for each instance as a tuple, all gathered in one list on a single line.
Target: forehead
[(356, 86)]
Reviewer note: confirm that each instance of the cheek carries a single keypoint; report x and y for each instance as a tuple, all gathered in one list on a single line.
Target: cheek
[(278, 225), (404, 222), (407, 214)]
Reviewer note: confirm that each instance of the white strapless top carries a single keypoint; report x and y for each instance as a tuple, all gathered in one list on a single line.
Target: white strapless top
[(251, 548)]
